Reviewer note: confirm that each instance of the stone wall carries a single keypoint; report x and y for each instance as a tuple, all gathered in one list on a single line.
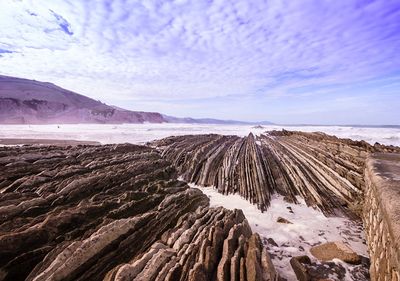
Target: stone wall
[(381, 215)]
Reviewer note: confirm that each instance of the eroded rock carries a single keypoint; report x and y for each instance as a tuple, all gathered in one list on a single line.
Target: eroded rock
[(335, 250), (299, 269), (283, 220), (327, 172), (114, 212)]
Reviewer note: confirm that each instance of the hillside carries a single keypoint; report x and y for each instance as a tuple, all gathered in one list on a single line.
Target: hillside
[(24, 101), (189, 120)]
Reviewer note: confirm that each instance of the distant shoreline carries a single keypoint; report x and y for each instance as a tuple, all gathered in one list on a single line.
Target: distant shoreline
[(355, 126), (58, 142), (221, 124)]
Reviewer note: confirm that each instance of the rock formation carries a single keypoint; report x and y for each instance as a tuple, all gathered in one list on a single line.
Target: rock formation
[(335, 250), (116, 212), (327, 172)]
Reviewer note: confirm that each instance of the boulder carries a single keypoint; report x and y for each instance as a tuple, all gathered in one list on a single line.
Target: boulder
[(283, 220), (335, 250), (299, 269)]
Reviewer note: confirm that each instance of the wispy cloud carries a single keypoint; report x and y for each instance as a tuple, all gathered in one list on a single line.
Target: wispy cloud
[(189, 49)]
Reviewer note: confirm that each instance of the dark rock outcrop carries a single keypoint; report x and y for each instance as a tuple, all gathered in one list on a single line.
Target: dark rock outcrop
[(327, 172), (115, 212), (299, 268)]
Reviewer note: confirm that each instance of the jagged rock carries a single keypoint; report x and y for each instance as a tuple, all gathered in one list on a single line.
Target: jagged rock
[(253, 256), (327, 172), (230, 163), (254, 269), (268, 269), (325, 270), (198, 273), (299, 269), (303, 259), (272, 242), (115, 212), (283, 220), (335, 250)]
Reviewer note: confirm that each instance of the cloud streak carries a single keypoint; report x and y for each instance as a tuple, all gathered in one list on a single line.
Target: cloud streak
[(189, 50)]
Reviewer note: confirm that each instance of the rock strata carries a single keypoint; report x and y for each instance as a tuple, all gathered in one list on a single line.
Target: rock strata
[(115, 212), (327, 172)]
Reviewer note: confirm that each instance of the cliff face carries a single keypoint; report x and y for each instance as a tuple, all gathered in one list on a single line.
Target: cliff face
[(25, 101)]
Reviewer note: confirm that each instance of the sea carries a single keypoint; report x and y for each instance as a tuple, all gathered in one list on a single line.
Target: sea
[(142, 133)]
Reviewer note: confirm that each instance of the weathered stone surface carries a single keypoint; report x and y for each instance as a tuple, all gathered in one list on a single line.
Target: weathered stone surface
[(254, 269), (327, 172), (299, 269), (381, 215), (335, 250), (77, 213), (230, 163), (283, 220), (268, 270), (114, 212)]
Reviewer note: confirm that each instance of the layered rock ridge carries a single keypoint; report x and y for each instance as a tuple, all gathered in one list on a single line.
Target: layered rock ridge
[(116, 212), (327, 172)]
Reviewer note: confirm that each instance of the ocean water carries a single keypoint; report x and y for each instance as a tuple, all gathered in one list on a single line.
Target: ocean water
[(142, 133)]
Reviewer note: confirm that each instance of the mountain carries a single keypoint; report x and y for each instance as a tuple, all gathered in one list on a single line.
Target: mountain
[(189, 120), (24, 101)]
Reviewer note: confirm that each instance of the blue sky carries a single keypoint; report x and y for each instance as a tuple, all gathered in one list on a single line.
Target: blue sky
[(321, 62)]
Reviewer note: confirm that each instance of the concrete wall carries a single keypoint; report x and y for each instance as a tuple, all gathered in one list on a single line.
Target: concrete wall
[(381, 215)]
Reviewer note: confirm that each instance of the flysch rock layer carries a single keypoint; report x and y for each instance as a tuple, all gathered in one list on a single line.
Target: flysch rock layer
[(327, 172), (116, 212)]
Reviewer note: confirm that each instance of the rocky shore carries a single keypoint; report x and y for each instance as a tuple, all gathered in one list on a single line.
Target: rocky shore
[(115, 212), (327, 172), (119, 212), (57, 142)]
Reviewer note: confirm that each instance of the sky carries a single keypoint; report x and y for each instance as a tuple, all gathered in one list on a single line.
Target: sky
[(290, 62)]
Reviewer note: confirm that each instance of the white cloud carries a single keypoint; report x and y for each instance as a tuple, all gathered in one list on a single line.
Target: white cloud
[(197, 49)]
